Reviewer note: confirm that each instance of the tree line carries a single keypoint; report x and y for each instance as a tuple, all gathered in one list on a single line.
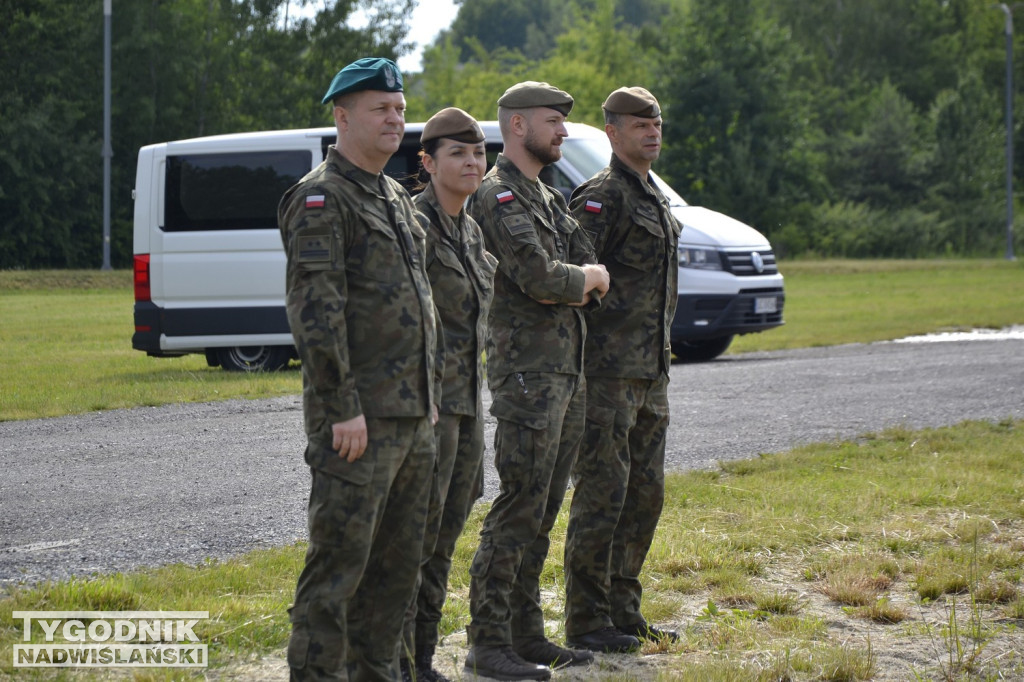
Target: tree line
[(855, 129)]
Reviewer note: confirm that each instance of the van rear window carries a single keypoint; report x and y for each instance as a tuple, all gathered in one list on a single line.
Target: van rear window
[(233, 191)]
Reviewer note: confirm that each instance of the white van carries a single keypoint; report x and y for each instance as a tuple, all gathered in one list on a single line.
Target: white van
[(209, 265)]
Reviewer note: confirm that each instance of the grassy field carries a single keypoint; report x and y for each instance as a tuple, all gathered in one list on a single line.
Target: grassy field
[(66, 335), (897, 556)]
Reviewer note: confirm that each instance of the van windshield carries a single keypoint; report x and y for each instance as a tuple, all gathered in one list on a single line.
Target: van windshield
[(589, 154)]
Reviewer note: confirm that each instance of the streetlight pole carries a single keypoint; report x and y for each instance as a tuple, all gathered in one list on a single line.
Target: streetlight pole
[(1009, 129), (107, 149)]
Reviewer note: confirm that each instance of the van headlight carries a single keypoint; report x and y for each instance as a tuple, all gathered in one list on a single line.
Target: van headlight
[(700, 259)]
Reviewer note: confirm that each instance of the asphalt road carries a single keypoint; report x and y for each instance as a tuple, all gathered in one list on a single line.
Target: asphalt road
[(112, 491)]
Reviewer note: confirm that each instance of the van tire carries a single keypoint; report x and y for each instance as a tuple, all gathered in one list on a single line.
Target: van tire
[(700, 350), (254, 358)]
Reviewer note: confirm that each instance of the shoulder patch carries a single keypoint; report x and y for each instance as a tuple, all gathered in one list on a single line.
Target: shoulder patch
[(504, 197), (593, 206), (314, 248), (315, 201), (517, 224)]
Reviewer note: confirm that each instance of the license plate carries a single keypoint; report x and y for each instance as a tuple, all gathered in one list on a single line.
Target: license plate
[(768, 304)]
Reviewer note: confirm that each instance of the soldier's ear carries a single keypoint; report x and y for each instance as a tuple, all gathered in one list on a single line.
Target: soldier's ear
[(428, 163), (341, 118)]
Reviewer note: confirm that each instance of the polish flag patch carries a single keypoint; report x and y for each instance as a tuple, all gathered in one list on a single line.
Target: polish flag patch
[(593, 207), (504, 197), (315, 201)]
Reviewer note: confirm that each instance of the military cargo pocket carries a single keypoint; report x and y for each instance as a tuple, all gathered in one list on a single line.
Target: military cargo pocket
[(325, 458), (298, 645), (521, 436), (525, 414)]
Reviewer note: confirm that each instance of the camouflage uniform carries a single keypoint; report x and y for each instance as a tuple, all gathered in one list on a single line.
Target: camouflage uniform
[(619, 476), (534, 369), (361, 312), (461, 276)]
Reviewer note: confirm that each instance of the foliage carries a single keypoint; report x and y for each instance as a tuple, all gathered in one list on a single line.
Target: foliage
[(180, 68), (869, 128)]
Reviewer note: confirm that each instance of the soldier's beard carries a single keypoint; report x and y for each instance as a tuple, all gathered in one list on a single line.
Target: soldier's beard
[(545, 153)]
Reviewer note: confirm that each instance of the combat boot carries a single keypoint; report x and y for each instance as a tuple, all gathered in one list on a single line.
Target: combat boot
[(644, 630), (540, 650), (406, 667), (605, 640), (425, 665), (502, 663)]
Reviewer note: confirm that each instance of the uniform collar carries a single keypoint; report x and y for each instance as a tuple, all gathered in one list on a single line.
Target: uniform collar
[(646, 182), (369, 182), (516, 178), (449, 226)]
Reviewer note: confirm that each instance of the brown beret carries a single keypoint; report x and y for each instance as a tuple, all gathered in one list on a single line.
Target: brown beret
[(529, 94), (634, 101), (453, 123)]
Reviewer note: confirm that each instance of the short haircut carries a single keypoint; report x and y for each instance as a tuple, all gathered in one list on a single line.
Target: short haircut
[(346, 100), (611, 118), (505, 119)]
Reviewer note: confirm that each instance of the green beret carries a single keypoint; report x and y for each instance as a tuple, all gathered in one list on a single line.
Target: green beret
[(529, 94), (635, 101), (368, 73), (453, 123)]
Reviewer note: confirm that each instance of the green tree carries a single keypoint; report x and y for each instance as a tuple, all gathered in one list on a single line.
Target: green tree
[(50, 164), (740, 135), (181, 68)]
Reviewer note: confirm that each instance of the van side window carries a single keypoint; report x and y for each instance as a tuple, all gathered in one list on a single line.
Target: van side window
[(230, 191)]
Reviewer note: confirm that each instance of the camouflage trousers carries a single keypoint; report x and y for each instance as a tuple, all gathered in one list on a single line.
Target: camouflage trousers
[(365, 539), (540, 424), (619, 481), (458, 483)]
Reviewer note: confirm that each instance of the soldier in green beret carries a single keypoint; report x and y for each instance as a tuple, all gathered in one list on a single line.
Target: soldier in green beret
[(619, 475), (547, 272), (360, 308), (461, 273)]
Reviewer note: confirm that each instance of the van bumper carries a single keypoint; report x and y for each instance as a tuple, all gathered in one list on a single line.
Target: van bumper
[(708, 316), (171, 332)]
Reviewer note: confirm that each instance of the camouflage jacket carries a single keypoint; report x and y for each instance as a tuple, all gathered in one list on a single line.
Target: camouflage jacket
[(357, 296), (461, 274), (539, 247), (636, 237)]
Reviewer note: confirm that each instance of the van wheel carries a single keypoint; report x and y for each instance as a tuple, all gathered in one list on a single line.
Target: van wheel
[(254, 358), (700, 350)]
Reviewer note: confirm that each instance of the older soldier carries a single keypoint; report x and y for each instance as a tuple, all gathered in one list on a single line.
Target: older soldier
[(620, 473), (360, 308), (546, 273), (461, 275)]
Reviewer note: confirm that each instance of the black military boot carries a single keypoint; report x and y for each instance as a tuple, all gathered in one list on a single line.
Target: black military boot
[(540, 650), (644, 630), (425, 665), (406, 668), (502, 663), (605, 640)]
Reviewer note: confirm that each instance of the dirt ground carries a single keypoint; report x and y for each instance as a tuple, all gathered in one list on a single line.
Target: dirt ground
[(918, 648)]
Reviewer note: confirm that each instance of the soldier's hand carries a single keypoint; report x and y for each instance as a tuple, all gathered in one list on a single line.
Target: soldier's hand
[(595, 277), (434, 415), (350, 438)]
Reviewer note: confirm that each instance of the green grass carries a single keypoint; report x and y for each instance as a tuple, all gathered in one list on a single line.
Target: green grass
[(755, 564), (844, 301), (66, 335), (749, 563)]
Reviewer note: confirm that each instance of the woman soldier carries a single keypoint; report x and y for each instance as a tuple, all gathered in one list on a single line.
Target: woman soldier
[(461, 272)]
